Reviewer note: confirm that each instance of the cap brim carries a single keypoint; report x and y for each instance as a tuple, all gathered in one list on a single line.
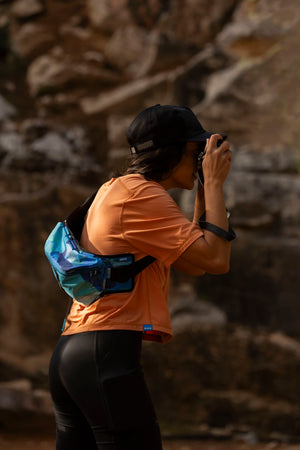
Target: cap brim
[(201, 137)]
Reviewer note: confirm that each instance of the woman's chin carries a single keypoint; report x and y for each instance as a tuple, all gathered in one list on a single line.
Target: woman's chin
[(191, 185)]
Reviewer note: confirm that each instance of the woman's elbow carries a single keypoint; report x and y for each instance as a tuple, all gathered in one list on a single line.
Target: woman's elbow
[(220, 267), (224, 268)]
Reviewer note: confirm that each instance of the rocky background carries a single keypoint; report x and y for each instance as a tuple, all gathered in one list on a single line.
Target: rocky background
[(73, 74)]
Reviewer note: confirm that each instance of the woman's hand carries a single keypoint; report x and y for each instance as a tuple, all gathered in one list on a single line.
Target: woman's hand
[(216, 161), (210, 253)]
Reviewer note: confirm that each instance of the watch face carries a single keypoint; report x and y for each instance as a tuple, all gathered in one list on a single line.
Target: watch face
[(228, 213)]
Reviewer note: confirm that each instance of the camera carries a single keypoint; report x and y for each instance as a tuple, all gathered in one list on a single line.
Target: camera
[(201, 156)]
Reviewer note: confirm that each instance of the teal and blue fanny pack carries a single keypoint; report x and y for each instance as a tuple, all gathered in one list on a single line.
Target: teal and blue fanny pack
[(86, 276)]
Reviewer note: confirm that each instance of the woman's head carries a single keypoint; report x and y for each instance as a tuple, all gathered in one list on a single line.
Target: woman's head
[(158, 137)]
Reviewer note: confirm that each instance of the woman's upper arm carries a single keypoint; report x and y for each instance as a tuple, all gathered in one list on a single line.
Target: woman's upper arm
[(184, 266), (200, 257)]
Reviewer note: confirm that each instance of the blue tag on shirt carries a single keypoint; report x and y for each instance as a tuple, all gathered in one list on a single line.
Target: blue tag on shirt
[(147, 327)]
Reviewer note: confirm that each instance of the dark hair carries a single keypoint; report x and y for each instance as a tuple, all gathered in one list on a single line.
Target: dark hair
[(156, 165)]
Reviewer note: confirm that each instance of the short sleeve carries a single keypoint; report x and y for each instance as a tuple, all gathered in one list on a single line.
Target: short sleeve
[(152, 223)]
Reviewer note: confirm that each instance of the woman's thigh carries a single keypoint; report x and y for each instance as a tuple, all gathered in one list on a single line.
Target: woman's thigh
[(97, 384)]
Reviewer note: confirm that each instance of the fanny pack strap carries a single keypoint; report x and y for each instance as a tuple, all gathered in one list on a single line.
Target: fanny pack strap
[(124, 273), (75, 222)]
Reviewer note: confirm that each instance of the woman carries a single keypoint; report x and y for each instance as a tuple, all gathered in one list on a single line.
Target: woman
[(96, 380)]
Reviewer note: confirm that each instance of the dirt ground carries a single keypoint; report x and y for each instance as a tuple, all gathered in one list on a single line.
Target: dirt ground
[(228, 445), (10, 442)]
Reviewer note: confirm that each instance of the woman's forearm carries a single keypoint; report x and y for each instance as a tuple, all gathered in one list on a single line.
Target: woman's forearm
[(215, 204), (199, 207), (216, 214)]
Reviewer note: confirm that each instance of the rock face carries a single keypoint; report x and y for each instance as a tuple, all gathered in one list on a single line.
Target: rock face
[(226, 378), (73, 75)]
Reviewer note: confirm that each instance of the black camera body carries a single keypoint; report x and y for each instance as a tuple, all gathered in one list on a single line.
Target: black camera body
[(201, 156)]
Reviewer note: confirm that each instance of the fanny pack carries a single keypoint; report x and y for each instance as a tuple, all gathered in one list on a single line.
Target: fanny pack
[(86, 276)]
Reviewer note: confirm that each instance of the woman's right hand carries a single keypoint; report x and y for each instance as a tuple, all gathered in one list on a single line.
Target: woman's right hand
[(216, 161)]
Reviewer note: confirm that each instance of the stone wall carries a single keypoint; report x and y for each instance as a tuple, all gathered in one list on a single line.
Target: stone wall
[(73, 75)]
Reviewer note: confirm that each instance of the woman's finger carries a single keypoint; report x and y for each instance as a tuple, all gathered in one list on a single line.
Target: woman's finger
[(212, 142), (225, 146)]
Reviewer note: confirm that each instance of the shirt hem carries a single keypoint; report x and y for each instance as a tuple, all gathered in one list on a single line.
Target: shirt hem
[(166, 334)]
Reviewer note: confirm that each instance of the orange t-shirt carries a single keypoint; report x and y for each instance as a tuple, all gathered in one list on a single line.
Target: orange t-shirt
[(133, 215)]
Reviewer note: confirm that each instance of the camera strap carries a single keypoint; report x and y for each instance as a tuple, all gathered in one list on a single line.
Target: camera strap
[(226, 235)]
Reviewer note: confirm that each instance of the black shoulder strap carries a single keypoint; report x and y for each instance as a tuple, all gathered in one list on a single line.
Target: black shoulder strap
[(75, 222), (122, 274)]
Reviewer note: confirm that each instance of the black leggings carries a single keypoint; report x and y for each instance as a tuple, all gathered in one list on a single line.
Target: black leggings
[(99, 393)]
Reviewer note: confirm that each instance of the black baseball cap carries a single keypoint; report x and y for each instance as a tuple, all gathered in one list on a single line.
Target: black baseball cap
[(162, 125)]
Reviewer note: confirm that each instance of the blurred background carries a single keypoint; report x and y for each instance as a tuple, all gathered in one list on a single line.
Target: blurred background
[(73, 74)]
